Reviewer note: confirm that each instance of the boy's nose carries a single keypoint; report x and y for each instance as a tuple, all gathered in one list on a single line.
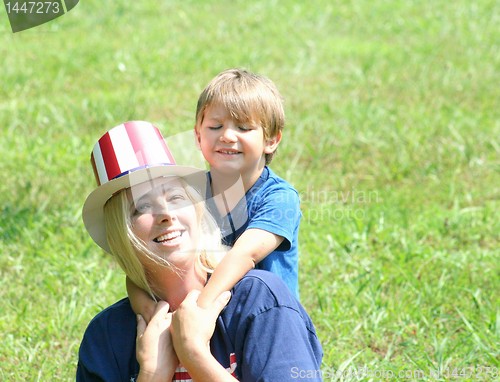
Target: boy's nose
[(228, 135)]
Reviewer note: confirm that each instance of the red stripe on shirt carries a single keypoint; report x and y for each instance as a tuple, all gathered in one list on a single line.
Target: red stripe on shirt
[(181, 376)]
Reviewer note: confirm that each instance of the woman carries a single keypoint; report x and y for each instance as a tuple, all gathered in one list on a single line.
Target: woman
[(147, 212)]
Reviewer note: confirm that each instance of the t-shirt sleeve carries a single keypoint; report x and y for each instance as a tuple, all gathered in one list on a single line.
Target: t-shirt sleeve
[(277, 210), (107, 351), (278, 347), (96, 359), (274, 337)]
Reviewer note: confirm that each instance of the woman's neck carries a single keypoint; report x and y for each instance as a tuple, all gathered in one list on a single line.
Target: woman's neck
[(173, 287)]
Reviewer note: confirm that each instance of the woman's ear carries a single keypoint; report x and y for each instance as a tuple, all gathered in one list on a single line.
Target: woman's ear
[(271, 144)]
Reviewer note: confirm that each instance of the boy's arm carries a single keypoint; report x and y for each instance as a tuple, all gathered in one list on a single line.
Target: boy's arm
[(251, 247), (140, 301), (191, 328)]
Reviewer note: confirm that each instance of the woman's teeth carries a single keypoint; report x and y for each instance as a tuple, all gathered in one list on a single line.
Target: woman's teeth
[(168, 236)]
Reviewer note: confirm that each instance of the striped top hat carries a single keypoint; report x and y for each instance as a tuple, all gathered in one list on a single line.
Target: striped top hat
[(129, 154)]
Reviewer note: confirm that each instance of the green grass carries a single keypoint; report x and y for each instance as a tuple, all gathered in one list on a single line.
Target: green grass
[(392, 139)]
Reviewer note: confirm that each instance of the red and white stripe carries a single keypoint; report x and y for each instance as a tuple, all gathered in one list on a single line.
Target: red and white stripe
[(182, 375), (127, 147), (233, 364)]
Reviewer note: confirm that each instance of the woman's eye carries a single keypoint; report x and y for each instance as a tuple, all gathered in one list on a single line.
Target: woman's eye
[(142, 208), (176, 197), (214, 127), (244, 128)]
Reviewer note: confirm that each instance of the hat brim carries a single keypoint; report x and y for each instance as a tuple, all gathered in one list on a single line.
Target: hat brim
[(93, 208)]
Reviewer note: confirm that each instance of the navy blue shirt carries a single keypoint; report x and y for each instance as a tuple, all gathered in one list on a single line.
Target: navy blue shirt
[(272, 205), (263, 334)]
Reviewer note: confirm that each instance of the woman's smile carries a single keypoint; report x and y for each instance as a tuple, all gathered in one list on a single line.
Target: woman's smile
[(168, 237)]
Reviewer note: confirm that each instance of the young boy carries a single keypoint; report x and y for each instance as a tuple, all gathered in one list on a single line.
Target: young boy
[(239, 123)]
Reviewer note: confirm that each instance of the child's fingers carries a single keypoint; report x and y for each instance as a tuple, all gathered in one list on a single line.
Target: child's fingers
[(160, 321), (161, 311), (192, 297), (141, 326), (220, 303)]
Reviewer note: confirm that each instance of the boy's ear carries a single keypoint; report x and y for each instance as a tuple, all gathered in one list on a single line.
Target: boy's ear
[(197, 138), (271, 144)]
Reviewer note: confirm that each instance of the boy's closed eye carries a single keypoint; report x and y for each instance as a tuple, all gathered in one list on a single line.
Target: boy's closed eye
[(245, 127)]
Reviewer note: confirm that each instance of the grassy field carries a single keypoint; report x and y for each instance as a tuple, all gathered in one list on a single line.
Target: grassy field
[(392, 139)]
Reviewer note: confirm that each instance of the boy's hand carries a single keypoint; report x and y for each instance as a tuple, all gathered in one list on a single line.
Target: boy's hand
[(140, 301), (251, 247), (155, 352), (193, 326)]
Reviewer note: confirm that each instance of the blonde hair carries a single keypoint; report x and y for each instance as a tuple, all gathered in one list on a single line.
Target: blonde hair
[(248, 97), (125, 246)]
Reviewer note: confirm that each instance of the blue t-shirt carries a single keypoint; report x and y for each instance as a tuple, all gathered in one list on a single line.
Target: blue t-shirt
[(272, 205), (263, 334)]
